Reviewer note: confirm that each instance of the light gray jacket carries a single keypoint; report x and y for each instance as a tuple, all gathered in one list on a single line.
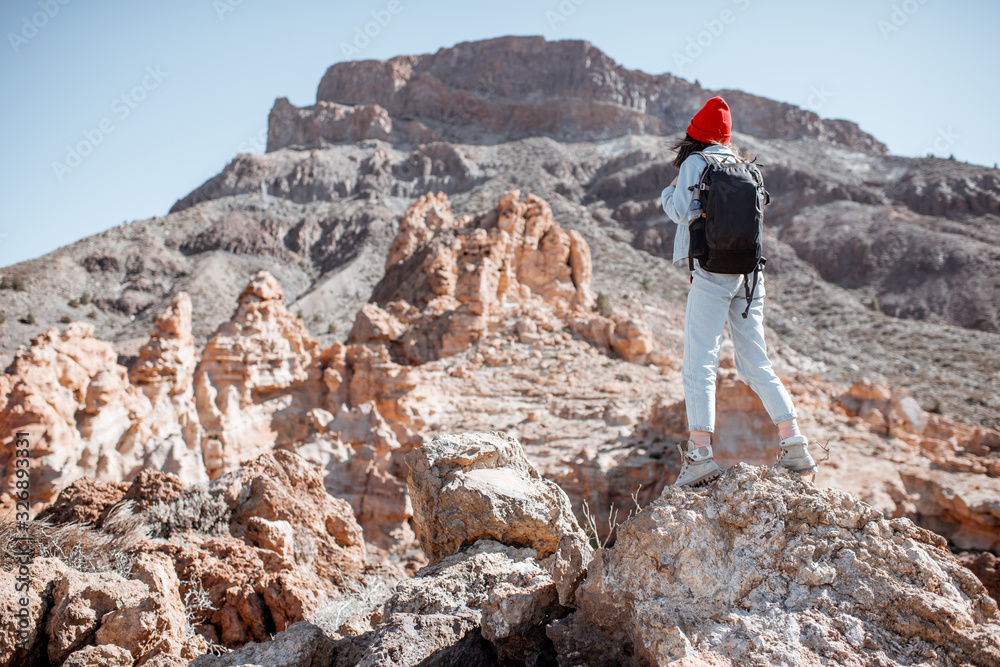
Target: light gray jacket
[(682, 204)]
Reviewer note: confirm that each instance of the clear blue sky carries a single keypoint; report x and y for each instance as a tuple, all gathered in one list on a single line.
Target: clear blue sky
[(199, 77)]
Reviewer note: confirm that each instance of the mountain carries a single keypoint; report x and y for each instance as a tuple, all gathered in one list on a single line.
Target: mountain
[(271, 405), (857, 234)]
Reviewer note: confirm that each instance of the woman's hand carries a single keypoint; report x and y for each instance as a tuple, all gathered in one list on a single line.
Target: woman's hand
[(674, 182)]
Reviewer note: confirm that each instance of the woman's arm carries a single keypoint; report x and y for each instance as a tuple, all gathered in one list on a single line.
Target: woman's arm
[(678, 202)]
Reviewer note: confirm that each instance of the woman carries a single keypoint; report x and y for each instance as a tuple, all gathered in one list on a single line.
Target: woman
[(715, 298)]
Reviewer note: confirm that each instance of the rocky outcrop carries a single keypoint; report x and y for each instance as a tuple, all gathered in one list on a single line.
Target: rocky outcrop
[(475, 486), (87, 618), (506, 556), (258, 550), (325, 122), (256, 375), (949, 188), (86, 415), (285, 548), (920, 267), (759, 554), (447, 280), (568, 90), (164, 372), (75, 402)]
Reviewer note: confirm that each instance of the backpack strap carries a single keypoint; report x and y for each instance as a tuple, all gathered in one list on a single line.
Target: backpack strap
[(750, 291)]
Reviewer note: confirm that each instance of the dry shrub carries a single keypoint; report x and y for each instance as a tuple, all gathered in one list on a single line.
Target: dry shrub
[(81, 546), (196, 509)]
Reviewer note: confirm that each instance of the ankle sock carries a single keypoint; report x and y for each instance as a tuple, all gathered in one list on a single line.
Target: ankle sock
[(701, 438), (788, 429)]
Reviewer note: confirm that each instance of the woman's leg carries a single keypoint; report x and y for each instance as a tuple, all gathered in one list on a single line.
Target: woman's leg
[(755, 368), (704, 319), (752, 362)]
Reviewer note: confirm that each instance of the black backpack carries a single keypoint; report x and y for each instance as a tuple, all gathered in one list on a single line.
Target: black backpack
[(728, 237)]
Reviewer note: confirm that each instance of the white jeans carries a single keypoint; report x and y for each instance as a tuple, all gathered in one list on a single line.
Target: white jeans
[(714, 298)]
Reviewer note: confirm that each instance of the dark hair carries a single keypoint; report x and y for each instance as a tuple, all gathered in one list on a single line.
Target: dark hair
[(688, 145)]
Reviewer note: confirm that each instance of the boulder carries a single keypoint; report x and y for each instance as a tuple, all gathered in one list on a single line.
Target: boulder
[(477, 486), (301, 645), (489, 601), (764, 567)]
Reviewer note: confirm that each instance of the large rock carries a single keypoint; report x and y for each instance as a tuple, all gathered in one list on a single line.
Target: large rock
[(258, 376), (76, 404), (449, 280), (486, 602), (301, 645), (100, 618), (481, 486), (764, 567)]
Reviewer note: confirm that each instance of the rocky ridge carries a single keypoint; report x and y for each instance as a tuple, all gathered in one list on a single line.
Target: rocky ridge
[(759, 568), (411, 292)]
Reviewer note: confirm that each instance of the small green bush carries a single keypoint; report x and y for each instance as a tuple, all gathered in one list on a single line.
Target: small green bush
[(92, 314), (27, 319), (73, 303), (646, 284), (17, 285), (65, 319), (85, 298), (4, 283), (332, 329), (604, 305)]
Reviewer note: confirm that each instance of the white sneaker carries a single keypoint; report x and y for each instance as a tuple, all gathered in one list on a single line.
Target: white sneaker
[(697, 466), (794, 456)]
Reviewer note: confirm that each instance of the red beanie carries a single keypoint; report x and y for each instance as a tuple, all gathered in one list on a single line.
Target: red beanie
[(712, 123)]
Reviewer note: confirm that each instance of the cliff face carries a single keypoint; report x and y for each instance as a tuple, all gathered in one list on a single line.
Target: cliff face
[(513, 87)]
